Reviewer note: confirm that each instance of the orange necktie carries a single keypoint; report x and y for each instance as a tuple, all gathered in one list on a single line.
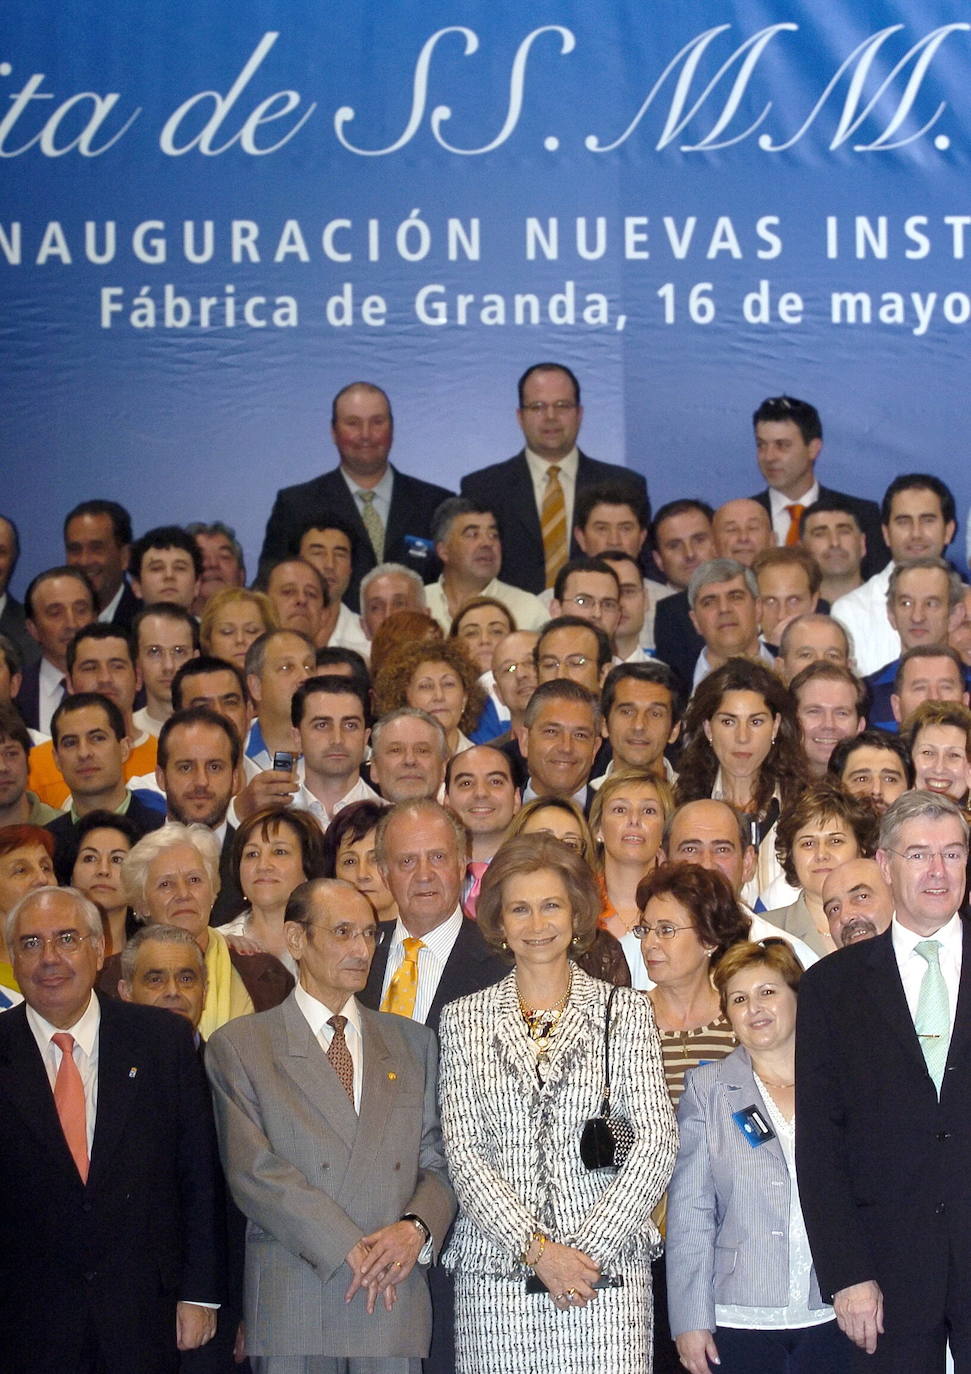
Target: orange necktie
[(69, 1101), (553, 524), (795, 517)]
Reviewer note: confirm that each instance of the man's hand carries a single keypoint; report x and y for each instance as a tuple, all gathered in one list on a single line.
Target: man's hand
[(355, 1259), (859, 1313), (392, 1253), (194, 1325), (269, 788)]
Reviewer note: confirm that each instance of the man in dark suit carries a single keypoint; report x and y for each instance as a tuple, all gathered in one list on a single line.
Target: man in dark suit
[(883, 1106), (97, 539), (389, 512), (110, 1209), (549, 415), (57, 604), (13, 622), (788, 440)]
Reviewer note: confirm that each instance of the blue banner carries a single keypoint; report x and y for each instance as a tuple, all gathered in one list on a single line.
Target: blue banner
[(213, 216)]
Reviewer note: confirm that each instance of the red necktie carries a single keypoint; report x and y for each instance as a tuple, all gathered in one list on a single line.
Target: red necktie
[(69, 1101)]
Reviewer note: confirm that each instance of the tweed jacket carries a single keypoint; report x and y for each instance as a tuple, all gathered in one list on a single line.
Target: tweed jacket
[(313, 1177), (728, 1205), (513, 1143)]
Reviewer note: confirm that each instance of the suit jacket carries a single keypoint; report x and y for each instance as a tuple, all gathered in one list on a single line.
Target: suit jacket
[(13, 624), (413, 503), (470, 967), (313, 1177), (884, 1166), (867, 513), (230, 900), (146, 1230), (127, 608), (65, 846), (507, 490), (27, 700), (676, 641), (727, 1202)]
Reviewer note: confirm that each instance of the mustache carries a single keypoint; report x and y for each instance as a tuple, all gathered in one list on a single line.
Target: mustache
[(860, 928)]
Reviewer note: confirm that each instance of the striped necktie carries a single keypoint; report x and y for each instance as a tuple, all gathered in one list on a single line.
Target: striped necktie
[(553, 524), (795, 518)]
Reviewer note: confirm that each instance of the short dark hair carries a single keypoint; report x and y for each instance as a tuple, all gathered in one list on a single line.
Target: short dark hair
[(324, 521), (452, 509), (680, 507), (352, 386), (331, 684), (617, 493), (580, 565), (870, 739), (333, 655), (13, 728), (818, 802), (165, 537), (350, 824), (11, 655), (561, 689), (918, 481), (63, 570), (309, 835), (547, 367), (655, 672), (834, 502), (197, 715), (99, 630), (16, 540), (267, 572), (78, 701), (576, 622), (924, 651), (117, 514), (500, 753), (106, 820), (801, 413), (706, 894), (167, 610), (205, 663)]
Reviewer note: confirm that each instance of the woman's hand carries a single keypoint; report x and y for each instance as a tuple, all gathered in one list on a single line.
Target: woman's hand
[(697, 1351), (569, 1274), (243, 944)]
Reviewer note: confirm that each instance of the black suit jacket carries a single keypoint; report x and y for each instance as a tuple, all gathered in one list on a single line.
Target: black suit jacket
[(413, 503), (230, 901), (470, 967), (114, 1255), (27, 700), (65, 846), (676, 641), (884, 1167), (867, 513), (126, 610), (13, 624), (507, 490)]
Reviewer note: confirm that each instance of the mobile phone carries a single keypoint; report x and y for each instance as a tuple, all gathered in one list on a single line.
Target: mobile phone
[(282, 761)]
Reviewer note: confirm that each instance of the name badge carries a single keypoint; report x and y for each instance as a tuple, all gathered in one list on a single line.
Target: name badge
[(753, 1125)]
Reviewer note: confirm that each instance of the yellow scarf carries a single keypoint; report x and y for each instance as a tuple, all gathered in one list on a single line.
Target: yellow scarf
[(226, 997)]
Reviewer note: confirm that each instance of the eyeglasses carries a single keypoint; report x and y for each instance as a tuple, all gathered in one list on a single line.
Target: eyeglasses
[(65, 942), (664, 930), (541, 407), (549, 664), (593, 603), (952, 856), (511, 669)]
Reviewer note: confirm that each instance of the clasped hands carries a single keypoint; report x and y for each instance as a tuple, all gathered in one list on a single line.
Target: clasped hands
[(382, 1260), (569, 1274)]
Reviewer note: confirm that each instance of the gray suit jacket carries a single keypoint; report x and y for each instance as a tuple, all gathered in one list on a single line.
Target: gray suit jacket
[(728, 1204), (312, 1177)]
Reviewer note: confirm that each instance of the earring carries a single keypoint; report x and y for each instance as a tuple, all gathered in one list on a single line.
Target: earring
[(502, 945), (575, 940)]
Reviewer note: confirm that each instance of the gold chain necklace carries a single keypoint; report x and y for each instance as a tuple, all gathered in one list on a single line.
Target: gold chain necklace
[(541, 1022)]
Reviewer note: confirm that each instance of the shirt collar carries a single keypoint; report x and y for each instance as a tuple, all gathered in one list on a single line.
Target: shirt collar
[(317, 1014), (107, 614), (905, 941), (84, 1030), (382, 488), (439, 941), (779, 503), (539, 467)]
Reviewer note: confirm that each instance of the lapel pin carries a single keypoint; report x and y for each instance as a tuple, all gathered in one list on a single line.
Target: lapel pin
[(392, 1076), (132, 1072)]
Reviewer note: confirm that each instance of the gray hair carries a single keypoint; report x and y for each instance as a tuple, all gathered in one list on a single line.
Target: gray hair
[(379, 727), (136, 863), (412, 810), (955, 587), (721, 570), (256, 653), (386, 570), (226, 531), (917, 806), (86, 910), (450, 510), (165, 935)]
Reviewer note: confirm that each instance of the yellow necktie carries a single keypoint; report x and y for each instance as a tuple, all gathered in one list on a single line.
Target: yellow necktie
[(403, 988)]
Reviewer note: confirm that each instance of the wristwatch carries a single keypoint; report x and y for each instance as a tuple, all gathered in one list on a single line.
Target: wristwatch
[(419, 1225)]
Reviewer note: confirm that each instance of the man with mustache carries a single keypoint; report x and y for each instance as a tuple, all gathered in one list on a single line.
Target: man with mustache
[(857, 901)]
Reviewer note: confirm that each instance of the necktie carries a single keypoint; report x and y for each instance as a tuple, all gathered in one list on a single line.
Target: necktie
[(475, 870), (933, 1021), (403, 988), (340, 1056), (795, 516), (69, 1101), (372, 523), (553, 524)]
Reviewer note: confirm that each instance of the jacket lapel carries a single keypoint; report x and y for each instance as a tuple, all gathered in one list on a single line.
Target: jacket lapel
[(885, 992), (741, 1090), (118, 1088), (24, 1082), (961, 1035), (301, 1056)]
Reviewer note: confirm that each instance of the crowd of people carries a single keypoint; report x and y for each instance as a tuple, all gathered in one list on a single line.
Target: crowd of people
[(652, 826)]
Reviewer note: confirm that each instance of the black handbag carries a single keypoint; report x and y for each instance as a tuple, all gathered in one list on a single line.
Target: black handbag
[(606, 1140)]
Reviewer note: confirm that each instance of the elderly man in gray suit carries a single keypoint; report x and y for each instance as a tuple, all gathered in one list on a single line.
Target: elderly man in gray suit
[(330, 1139)]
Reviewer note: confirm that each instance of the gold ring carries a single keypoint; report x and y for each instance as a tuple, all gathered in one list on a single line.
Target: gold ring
[(571, 1293), (397, 1264)]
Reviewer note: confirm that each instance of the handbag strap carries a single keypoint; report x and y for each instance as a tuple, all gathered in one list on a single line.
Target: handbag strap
[(605, 1105)]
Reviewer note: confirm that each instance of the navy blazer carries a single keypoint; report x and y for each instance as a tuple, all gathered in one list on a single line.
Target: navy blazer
[(884, 1166), (413, 503), (867, 514), (113, 1255), (13, 624), (470, 967), (507, 490)]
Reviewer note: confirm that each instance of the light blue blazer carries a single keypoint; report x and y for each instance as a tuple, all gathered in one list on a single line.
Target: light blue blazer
[(728, 1204)]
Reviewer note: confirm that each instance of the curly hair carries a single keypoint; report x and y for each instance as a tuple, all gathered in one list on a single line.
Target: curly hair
[(823, 801), (394, 679), (785, 765), (398, 629), (531, 854), (707, 894)]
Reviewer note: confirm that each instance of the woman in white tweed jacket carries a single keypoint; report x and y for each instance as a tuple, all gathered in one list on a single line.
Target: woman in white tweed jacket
[(522, 1069)]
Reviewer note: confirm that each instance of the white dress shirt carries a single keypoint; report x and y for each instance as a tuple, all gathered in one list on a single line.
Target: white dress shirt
[(51, 688), (913, 966), (863, 614), (317, 1015), (439, 944), (305, 800), (85, 1032)]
